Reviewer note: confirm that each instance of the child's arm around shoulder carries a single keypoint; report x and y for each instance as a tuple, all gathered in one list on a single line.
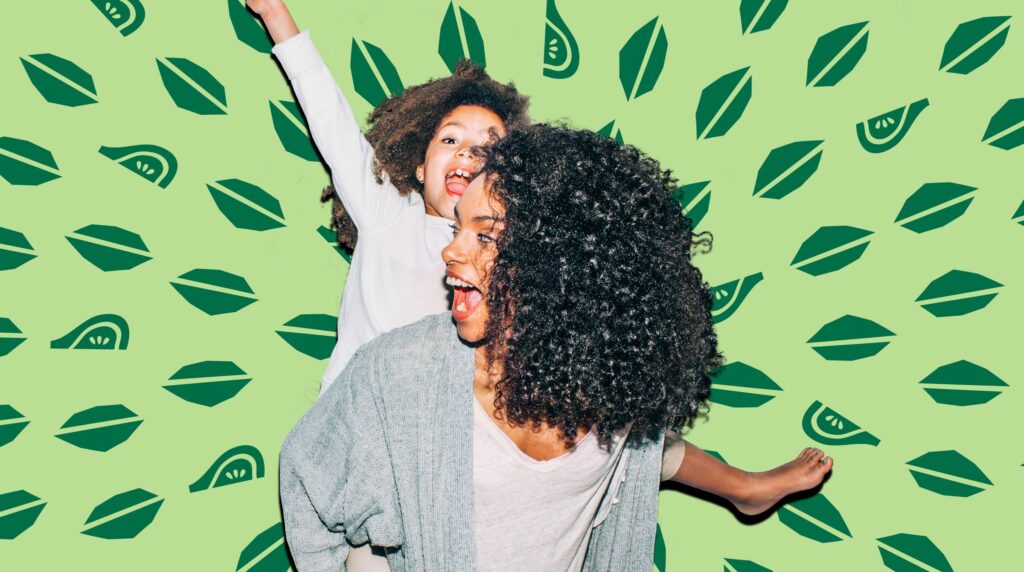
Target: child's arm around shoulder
[(332, 124)]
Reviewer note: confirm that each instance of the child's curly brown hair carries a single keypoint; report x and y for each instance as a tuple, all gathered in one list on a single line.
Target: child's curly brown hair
[(402, 126)]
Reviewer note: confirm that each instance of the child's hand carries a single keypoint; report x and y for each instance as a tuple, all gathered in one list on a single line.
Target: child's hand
[(276, 18), (261, 6)]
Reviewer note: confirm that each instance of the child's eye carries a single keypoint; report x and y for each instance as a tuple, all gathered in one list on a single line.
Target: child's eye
[(448, 140)]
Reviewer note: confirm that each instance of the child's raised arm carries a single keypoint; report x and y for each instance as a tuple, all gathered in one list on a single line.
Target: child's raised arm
[(332, 124), (276, 18)]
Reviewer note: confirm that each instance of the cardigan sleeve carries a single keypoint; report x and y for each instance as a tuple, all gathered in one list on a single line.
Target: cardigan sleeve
[(325, 461)]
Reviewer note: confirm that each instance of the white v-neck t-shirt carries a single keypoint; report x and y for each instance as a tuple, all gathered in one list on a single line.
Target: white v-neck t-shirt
[(536, 515), (396, 276)]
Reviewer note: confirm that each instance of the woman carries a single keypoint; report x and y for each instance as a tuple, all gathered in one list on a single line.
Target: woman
[(529, 434)]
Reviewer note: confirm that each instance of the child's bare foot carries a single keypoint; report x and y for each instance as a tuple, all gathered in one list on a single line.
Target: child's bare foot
[(767, 488)]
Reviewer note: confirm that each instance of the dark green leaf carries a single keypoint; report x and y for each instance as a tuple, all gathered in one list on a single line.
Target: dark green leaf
[(460, 42), (973, 43), (25, 163), (760, 15), (247, 27), (638, 71), (835, 54), (935, 205), (787, 168), (1006, 128), (192, 87), (59, 80), (722, 103)]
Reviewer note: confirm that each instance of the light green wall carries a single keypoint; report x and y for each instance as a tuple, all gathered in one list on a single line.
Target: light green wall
[(293, 271)]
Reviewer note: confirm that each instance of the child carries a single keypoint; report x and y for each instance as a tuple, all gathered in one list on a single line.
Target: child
[(529, 434), (399, 183)]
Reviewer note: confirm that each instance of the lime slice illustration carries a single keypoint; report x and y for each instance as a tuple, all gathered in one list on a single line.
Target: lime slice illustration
[(25, 163), (815, 518), (460, 39), (311, 334), (958, 292), (99, 428), (10, 336), (109, 248), (248, 28), (825, 425), (561, 53), (787, 168), (836, 53), (332, 238), (124, 515), (612, 132), (912, 553), (214, 292), (18, 512), (59, 80), (12, 423), (722, 103), (760, 15), (885, 131), (208, 382), (660, 550), (373, 75), (740, 385), (124, 15), (948, 473), (973, 43), (151, 162), (15, 249), (236, 465), (695, 199), (850, 338), (265, 553), (292, 129), (246, 205), (729, 296), (962, 383), (102, 332), (831, 248), (642, 58), (1006, 128), (935, 205), (191, 87), (735, 565)]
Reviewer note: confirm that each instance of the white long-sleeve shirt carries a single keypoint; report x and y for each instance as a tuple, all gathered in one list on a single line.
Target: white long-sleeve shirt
[(397, 275)]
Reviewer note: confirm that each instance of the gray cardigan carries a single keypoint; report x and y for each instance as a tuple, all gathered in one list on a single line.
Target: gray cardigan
[(385, 456)]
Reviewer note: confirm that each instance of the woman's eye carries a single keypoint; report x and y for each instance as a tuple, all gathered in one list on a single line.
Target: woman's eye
[(485, 238), (455, 229)]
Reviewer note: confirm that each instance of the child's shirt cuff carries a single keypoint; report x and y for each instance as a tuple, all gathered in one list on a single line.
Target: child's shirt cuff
[(297, 54)]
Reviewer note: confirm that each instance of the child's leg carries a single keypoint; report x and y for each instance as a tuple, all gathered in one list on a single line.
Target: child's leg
[(752, 493)]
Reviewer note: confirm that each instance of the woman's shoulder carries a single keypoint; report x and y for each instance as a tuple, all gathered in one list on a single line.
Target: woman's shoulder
[(421, 345)]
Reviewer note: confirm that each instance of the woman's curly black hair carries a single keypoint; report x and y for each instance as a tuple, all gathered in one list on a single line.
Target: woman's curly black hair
[(597, 315), (403, 125)]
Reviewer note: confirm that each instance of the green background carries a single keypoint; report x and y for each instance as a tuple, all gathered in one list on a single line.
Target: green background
[(294, 271)]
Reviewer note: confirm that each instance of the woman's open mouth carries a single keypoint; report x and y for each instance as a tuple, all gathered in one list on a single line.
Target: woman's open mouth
[(456, 181), (467, 297)]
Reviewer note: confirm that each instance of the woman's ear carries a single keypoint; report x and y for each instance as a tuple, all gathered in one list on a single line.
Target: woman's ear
[(419, 173)]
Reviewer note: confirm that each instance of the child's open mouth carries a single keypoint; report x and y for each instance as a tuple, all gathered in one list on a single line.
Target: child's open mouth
[(456, 181), (467, 298)]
